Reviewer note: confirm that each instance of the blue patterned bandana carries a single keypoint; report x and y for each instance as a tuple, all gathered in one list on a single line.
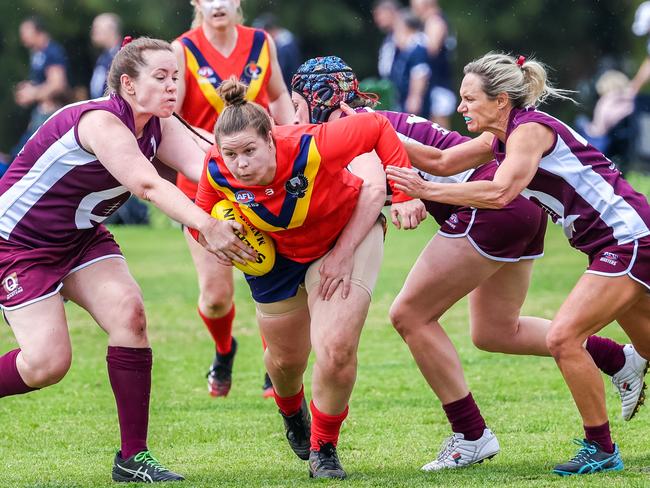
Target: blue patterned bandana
[(325, 82)]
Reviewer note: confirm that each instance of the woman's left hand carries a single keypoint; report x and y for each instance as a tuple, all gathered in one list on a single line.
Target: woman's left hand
[(408, 181), (335, 270), (408, 215)]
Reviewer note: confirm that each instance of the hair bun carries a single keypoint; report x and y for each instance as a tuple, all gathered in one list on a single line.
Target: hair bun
[(233, 91)]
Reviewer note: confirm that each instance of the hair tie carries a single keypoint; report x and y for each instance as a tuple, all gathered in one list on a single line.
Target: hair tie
[(126, 40), (520, 61)]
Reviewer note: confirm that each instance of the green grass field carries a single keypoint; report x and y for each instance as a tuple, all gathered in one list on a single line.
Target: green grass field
[(66, 435)]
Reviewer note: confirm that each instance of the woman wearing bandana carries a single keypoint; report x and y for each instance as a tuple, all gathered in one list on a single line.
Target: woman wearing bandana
[(218, 47), (486, 254), (298, 189)]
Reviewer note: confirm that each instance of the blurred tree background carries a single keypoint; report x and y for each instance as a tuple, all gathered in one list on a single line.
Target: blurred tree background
[(578, 38)]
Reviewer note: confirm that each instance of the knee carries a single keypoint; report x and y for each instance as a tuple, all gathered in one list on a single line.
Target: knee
[(215, 299), (338, 361), (406, 320), (560, 341), (485, 342), (48, 370), (402, 319), (286, 365), (133, 315)]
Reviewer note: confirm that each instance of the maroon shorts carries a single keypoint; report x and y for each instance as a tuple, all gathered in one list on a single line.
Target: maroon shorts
[(32, 274), (509, 234), (632, 259)]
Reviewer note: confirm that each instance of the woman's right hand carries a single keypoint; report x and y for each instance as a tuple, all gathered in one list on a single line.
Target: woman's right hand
[(219, 237)]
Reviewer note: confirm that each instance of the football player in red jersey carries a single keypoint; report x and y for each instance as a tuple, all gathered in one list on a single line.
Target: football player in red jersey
[(215, 48), (300, 192)]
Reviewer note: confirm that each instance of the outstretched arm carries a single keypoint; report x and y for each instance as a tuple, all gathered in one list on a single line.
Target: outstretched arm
[(105, 136), (524, 149), (453, 160)]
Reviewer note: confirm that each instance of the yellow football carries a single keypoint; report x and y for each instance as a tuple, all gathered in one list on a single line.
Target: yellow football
[(255, 238)]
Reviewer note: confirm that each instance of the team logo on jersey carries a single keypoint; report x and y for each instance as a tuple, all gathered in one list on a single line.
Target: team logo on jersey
[(11, 285), (297, 185), (253, 70), (205, 71), (244, 197), (268, 192)]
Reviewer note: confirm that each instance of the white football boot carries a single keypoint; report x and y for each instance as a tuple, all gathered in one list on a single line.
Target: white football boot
[(629, 382), (456, 452)]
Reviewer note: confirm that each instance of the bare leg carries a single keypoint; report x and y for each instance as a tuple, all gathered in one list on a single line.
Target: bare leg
[(41, 331), (447, 270), (594, 302), (495, 306)]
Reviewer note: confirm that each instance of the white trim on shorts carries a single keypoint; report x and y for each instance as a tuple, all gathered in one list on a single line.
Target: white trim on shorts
[(60, 285), (627, 272), (481, 251), (620, 273), (93, 261), (32, 301)]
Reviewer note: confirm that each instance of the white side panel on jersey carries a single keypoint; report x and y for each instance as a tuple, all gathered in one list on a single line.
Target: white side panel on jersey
[(84, 217), (612, 209), (59, 159)]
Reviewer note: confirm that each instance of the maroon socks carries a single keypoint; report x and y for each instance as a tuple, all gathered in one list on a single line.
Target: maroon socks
[(601, 435), (606, 353), (465, 418), (129, 370), (10, 381)]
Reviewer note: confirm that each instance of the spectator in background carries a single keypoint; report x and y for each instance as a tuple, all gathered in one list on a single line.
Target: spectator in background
[(615, 103), (641, 27), (286, 44), (105, 34), (437, 41), (410, 71), (47, 86), (385, 13)]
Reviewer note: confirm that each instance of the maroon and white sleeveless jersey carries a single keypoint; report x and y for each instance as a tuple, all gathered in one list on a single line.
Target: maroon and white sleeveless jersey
[(412, 128), (581, 189), (55, 190)]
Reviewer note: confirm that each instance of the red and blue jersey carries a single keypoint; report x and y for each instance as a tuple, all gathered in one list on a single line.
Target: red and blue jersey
[(312, 195), (205, 70)]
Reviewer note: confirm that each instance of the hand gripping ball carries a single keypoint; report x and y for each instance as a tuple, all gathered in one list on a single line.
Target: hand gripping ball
[(255, 238)]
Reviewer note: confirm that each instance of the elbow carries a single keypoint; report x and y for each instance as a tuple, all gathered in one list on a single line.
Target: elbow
[(501, 198), (144, 190), (376, 194)]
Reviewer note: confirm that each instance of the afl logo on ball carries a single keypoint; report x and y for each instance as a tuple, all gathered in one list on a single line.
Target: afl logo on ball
[(244, 197), (205, 71), (253, 70), (297, 185)]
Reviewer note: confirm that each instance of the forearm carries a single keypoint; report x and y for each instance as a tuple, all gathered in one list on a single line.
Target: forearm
[(480, 194), (282, 109), (641, 76), (170, 200), (371, 200)]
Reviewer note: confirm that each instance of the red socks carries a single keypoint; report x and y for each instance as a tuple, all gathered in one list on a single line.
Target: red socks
[(220, 329), (289, 405), (465, 418), (11, 383), (325, 428)]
